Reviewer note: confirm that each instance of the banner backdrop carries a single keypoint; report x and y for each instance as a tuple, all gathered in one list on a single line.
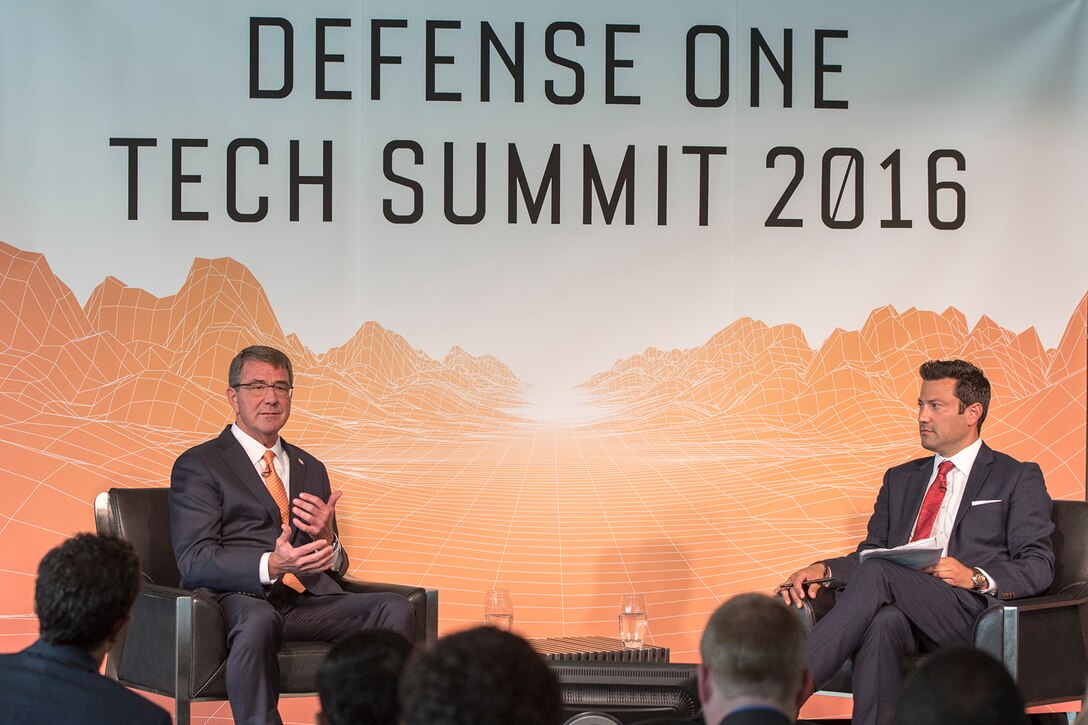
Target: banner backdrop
[(584, 298)]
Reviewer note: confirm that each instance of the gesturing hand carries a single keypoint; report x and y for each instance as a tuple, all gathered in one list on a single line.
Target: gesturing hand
[(315, 516), (315, 556)]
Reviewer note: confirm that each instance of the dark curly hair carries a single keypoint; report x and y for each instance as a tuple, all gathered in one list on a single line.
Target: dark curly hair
[(483, 676), (85, 587), (358, 681)]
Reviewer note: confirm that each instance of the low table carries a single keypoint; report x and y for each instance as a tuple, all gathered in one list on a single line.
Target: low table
[(596, 649)]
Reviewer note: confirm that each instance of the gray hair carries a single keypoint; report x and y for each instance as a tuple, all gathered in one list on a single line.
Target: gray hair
[(754, 646), (261, 353)]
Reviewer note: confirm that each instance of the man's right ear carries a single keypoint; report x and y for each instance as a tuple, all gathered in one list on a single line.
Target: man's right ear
[(702, 682), (119, 629)]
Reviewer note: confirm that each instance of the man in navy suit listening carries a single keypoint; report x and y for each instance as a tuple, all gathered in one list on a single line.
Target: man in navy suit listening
[(83, 595), (990, 515), (253, 523)]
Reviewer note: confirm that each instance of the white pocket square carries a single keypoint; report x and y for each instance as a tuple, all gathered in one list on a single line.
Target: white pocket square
[(985, 501)]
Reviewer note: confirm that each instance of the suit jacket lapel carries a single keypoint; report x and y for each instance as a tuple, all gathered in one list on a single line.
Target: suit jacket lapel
[(298, 469), (979, 471), (236, 458), (298, 479)]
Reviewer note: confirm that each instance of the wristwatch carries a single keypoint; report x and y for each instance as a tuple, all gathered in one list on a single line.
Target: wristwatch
[(979, 583)]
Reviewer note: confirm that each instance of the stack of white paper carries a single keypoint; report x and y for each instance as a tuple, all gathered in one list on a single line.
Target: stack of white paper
[(917, 554)]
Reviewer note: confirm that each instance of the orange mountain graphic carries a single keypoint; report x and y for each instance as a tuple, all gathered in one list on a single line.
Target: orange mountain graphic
[(751, 380), (127, 353), (711, 471)]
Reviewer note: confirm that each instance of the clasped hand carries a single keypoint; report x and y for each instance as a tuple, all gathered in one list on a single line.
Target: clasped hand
[(314, 517)]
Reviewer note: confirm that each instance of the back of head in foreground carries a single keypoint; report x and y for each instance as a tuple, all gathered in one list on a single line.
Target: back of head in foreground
[(753, 651), (359, 681), (85, 589), (83, 596), (482, 676), (960, 686)]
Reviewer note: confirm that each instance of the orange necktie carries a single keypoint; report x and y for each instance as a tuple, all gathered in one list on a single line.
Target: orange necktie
[(279, 494), (931, 504)]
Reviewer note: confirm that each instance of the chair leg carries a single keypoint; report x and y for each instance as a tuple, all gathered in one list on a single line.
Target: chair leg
[(183, 640), (181, 711), (430, 629)]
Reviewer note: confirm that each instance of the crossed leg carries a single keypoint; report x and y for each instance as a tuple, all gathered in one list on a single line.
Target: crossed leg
[(886, 611)]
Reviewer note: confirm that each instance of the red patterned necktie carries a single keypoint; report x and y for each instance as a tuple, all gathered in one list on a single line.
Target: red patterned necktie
[(931, 504), (279, 494)]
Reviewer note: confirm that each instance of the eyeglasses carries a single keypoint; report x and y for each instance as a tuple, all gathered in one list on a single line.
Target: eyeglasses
[(259, 390)]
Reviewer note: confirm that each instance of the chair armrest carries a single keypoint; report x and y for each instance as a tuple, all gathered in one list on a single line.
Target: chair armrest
[(992, 624), (1075, 593), (176, 640), (1042, 641), (812, 610), (424, 600)]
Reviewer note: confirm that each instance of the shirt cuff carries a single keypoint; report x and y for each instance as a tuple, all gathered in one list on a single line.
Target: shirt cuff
[(338, 553), (265, 578), (991, 587)]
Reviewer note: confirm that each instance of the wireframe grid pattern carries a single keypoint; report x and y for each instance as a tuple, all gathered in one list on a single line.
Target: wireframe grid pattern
[(714, 470)]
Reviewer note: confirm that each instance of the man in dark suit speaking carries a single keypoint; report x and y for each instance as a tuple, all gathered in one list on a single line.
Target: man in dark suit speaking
[(253, 525), (990, 515)]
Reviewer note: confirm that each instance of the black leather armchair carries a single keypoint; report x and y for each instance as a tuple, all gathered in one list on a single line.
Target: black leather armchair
[(1042, 640), (176, 643)]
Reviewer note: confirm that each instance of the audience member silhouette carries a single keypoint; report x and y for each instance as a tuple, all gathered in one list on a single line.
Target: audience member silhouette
[(482, 676), (83, 596), (359, 681), (960, 686), (753, 670)]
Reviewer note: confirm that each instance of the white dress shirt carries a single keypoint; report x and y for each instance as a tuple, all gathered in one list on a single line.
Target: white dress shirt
[(956, 483), (255, 450)]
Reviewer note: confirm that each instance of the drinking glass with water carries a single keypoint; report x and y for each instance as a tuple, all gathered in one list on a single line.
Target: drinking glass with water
[(633, 621), (499, 609)]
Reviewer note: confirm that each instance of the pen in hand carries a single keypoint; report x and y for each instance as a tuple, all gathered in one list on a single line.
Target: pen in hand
[(806, 582)]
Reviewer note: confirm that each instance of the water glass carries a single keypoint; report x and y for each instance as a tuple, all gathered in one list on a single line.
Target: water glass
[(633, 621), (499, 609)]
